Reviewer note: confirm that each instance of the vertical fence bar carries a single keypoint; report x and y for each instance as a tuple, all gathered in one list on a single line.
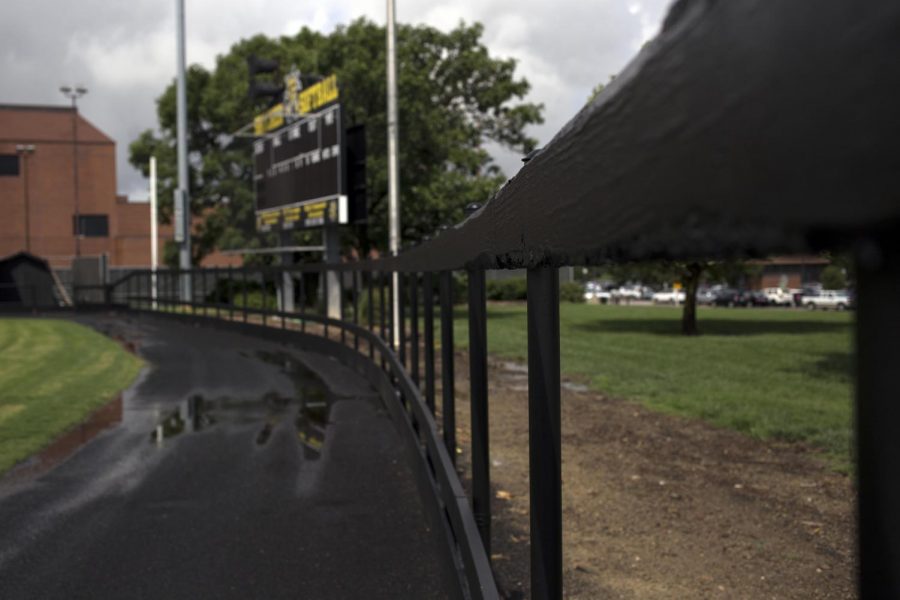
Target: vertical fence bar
[(402, 323), (481, 474), (390, 313), (381, 305), (428, 304), (448, 402), (204, 288), (216, 284), (544, 458), (878, 418), (354, 273), (340, 282), (262, 286), (414, 326), (230, 291), (302, 300), (323, 286), (283, 290), (371, 311), (244, 275)]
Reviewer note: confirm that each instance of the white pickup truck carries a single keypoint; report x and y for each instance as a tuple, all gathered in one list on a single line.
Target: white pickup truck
[(779, 297), (836, 299), (668, 297)]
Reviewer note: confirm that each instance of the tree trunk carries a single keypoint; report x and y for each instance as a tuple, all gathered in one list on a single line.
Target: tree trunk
[(691, 282)]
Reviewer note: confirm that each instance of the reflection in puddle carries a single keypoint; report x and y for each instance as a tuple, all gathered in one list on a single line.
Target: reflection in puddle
[(191, 415), (308, 408)]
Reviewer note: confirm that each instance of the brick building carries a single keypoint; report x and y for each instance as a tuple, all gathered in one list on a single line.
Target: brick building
[(38, 146)]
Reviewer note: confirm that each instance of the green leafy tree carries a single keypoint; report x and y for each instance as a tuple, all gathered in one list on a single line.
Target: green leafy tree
[(453, 97)]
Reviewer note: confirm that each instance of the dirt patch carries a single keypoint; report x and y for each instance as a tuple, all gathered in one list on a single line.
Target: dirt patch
[(656, 506)]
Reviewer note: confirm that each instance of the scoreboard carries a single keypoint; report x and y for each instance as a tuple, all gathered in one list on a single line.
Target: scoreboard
[(300, 162), (299, 173)]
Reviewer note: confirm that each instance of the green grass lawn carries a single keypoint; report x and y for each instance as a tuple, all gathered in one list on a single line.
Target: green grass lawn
[(770, 373), (53, 373)]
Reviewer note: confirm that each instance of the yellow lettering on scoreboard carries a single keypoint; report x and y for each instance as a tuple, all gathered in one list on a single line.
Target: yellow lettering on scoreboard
[(307, 100), (269, 120), (318, 95)]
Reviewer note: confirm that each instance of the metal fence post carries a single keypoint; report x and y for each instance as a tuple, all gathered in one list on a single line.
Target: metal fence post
[(878, 418), (230, 289), (414, 326), (481, 475), (428, 301), (244, 274), (323, 283), (262, 287), (302, 300), (340, 286), (354, 273), (371, 311), (381, 305), (544, 450), (402, 324), (389, 311), (448, 404), (283, 290)]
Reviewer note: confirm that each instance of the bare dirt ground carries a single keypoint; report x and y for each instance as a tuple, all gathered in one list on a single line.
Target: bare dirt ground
[(656, 506)]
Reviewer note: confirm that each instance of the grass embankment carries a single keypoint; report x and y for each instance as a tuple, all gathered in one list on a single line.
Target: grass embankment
[(770, 373), (52, 375)]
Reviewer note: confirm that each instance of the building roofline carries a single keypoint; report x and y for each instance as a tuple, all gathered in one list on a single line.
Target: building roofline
[(38, 107)]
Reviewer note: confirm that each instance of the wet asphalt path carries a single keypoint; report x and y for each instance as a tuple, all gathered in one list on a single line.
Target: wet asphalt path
[(235, 473)]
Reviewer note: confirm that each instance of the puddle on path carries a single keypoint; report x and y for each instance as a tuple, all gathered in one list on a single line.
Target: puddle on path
[(307, 409)]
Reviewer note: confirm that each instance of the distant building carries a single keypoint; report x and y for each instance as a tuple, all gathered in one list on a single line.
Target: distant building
[(38, 200), (790, 272)]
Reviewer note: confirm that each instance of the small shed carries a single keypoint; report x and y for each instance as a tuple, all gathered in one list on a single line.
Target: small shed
[(26, 281)]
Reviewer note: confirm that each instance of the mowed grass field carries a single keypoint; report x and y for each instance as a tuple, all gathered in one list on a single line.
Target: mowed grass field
[(53, 373), (770, 373)]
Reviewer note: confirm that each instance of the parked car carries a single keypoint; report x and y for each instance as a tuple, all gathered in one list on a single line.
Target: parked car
[(730, 297), (668, 297), (626, 294), (812, 290), (836, 299), (707, 295), (779, 297), (594, 292), (756, 298)]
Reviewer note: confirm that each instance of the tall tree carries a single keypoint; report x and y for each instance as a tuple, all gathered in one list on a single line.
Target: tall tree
[(453, 97)]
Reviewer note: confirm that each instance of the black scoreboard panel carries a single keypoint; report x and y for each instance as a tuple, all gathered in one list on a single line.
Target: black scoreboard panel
[(301, 165)]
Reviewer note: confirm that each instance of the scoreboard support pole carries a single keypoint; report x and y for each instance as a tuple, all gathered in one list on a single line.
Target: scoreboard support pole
[(332, 243), (286, 297)]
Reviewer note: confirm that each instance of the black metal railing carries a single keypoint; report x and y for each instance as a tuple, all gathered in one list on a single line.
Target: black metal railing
[(745, 128)]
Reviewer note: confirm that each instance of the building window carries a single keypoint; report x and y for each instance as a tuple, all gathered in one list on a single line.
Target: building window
[(91, 225), (9, 165)]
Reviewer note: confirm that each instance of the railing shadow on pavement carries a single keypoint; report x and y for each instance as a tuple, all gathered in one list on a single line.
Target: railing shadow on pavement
[(745, 128)]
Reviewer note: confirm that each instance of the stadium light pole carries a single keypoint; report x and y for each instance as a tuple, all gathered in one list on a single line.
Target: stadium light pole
[(182, 197), (393, 168), (73, 94)]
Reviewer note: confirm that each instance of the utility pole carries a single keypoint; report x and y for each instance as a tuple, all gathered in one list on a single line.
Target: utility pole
[(393, 168), (73, 94), (182, 198), (24, 150), (154, 233)]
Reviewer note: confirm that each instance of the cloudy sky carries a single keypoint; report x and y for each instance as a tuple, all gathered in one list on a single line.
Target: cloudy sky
[(123, 51)]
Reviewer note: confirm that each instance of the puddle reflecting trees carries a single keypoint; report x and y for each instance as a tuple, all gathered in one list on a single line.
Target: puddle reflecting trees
[(307, 409)]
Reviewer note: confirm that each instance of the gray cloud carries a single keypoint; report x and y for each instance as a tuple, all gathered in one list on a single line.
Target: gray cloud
[(124, 52)]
